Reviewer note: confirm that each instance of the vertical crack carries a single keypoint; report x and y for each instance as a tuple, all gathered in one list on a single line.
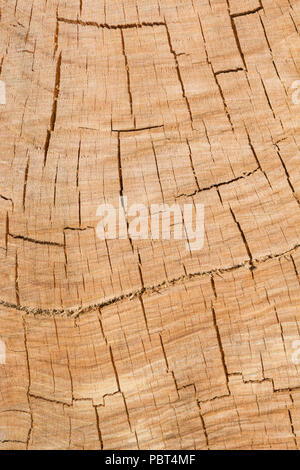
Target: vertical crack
[(17, 281), (267, 98), (223, 98), (6, 231), (115, 369), (213, 286), (25, 181), (127, 71), (222, 352), (29, 383), (98, 428), (164, 352), (78, 164), (203, 426), (252, 267), (287, 174), (236, 36), (192, 165), (293, 428), (179, 73), (54, 107), (144, 312), (120, 166), (56, 34), (295, 269), (256, 157), (157, 171)]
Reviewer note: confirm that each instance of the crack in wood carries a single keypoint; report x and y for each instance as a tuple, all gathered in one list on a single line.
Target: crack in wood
[(77, 311)]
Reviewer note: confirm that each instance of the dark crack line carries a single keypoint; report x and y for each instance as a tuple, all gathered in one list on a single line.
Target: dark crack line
[(138, 129), (54, 108), (246, 13), (222, 352), (173, 52), (33, 240), (127, 72), (76, 311), (238, 69), (222, 183), (236, 36), (243, 238), (267, 97), (287, 175), (110, 26), (223, 98)]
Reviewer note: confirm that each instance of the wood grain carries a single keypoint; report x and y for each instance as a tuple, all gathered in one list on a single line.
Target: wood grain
[(143, 344)]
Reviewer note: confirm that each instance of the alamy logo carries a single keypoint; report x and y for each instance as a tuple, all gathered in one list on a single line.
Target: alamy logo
[(160, 222)]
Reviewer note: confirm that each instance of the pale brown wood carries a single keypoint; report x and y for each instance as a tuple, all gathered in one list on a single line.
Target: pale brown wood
[(129, 344)]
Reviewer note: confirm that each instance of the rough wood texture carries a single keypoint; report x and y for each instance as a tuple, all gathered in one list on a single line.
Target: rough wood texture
[(143, 344)]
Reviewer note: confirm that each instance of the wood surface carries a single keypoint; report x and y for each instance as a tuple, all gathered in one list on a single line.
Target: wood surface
[(142, 344)]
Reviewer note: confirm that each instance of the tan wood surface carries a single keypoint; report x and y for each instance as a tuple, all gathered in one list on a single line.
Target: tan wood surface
[(129, 344)]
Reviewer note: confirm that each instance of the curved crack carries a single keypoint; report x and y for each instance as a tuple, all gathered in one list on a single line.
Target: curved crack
[(77, 311)]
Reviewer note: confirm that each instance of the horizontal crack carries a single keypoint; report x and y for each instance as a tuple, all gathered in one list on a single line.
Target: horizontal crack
[(246, 13), (79, 229), (110, 26), (138, 129), (217, 185), (76, 311), (239, 69), (32, 240)]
